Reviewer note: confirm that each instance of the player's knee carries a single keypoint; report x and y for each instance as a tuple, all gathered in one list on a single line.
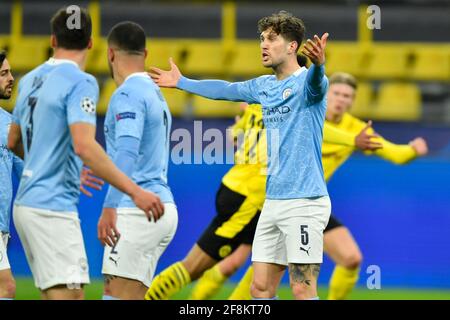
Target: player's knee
[(353, 260), (261, 289), (8, 288)]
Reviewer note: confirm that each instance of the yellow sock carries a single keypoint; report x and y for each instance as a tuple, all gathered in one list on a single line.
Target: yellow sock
[(168, 282), (342, 282), (209, 284), (242, 290)]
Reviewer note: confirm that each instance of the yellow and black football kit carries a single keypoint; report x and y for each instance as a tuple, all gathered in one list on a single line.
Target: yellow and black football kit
[(242, 191)]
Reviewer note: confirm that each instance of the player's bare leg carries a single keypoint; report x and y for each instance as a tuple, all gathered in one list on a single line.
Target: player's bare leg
[(340, 246), (303, 280), (213, 279), (197, 261), (62, 292), (123, 288), (175, 277), (234, 261), (7, 285), (266, 278)]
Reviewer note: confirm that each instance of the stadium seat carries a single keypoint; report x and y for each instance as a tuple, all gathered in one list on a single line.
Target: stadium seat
[(398, 102), (387, 62), (363, 104), (208, 58), (247, 61), (159, 51), (206, 108), (345, 57), (431, 63), (176, 100), (108, 88), (28, 52)]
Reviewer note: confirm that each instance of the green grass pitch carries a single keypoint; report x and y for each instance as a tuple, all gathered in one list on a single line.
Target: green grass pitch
[(27, 291)]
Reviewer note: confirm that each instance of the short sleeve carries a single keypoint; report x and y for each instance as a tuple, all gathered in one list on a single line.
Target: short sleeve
[(82, 102), (15, 117), (129, 116)]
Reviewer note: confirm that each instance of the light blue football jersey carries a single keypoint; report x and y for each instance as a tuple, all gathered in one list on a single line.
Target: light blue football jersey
[(293, 114), (294, 118), (9, 163), (138, 109), (52, 97)]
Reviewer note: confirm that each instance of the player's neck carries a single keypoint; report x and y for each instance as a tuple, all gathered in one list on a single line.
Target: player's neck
[(286, 69), (334, 118), (127, 69), (77, 56), (126, 66)]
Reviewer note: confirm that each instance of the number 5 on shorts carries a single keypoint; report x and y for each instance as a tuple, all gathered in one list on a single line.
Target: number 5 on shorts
[(304, 237)]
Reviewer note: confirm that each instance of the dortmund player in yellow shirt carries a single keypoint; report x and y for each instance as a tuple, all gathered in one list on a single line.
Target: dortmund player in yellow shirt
[(339, 244)]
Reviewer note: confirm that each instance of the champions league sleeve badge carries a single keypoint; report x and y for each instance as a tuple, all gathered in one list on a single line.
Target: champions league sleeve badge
[(88, 105)]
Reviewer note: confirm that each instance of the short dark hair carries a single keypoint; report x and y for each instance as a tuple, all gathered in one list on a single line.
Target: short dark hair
[(285, 24), (128, 36), (343, 78), (71, 38), (2, 57)]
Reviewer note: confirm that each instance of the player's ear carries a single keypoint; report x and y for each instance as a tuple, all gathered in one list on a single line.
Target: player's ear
[(53, 41), (145, 53), (89, 44), (293, 45), (110, 55)]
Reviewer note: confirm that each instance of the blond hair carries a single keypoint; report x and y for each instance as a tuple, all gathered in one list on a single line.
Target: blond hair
[(343, 78)]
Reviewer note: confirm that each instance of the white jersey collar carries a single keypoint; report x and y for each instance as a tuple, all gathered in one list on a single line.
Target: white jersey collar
[(55, 62), (137, 74), (299, 71)]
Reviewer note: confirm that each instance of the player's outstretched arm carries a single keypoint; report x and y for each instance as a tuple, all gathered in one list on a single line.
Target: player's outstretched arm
[(15, 140), (211, 89), (315, 50), (166, 78), (94, 157), (362, 140), (402, 153), (316, 84), (420, 146), (367, 141)]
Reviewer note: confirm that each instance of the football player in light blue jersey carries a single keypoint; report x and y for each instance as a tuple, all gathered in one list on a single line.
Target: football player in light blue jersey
[(137, 131), (9, 163), (54, 121), (297, 206)]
